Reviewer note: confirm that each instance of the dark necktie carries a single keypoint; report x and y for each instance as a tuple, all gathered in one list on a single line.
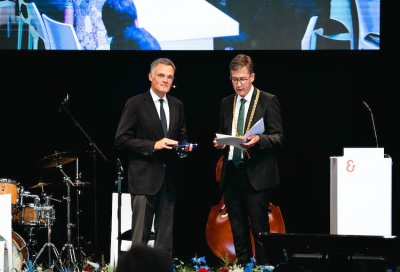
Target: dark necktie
[(163, 118), (237, 153)]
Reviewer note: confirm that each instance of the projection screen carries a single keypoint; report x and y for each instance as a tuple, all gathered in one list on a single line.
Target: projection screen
[(191, 24)]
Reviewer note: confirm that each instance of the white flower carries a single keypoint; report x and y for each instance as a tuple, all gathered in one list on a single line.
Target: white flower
[(236, 268)]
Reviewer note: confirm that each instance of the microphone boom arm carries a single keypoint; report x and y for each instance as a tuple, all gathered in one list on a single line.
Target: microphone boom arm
[(373, 122)]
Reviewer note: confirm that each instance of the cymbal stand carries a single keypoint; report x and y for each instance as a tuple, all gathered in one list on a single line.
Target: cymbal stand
[(79, 245), (78, 192), (81, 254), (31, 241), (71, 259), (49, 244)]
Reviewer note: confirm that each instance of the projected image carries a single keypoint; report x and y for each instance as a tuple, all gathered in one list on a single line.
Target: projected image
[(189, 24)]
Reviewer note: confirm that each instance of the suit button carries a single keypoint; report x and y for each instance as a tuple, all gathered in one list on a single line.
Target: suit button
[(164, 165)]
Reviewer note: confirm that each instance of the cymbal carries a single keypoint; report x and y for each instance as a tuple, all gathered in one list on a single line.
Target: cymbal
[(40, 184), (57, 159), (81, 183)]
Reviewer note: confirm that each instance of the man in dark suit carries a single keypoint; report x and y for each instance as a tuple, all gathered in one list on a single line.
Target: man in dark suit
[(247, 184), (153, 158)]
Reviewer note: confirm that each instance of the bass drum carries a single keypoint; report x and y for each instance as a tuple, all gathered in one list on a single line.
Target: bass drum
[(20, 253)]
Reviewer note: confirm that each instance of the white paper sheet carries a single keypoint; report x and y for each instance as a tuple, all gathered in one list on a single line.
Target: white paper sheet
[(257, 128)]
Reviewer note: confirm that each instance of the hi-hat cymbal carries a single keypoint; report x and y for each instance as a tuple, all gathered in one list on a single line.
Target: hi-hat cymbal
[(40, 184), (57, 159)]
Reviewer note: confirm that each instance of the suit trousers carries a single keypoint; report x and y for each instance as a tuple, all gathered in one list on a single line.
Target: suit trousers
[(247, 211), (159, 207)]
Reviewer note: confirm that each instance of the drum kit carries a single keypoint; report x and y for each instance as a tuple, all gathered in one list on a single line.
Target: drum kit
[(33, 212)]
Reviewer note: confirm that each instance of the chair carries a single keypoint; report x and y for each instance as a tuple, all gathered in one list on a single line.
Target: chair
[(368, 13), (308, 41), (30, 15), (9, 6), (62, 36), (338, 32), (23, 19)]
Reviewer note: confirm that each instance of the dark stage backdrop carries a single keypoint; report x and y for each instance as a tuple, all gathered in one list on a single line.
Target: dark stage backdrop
[(321, 94)]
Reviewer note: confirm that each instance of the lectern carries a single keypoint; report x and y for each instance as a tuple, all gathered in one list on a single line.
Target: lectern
[(361, 193), (126, 225), (6, 242)]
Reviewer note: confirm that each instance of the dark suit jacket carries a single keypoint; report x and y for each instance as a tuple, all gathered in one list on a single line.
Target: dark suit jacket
[(262, 166), (138, 130)]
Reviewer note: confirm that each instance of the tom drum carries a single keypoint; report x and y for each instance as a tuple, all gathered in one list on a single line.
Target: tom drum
[(9, 186)]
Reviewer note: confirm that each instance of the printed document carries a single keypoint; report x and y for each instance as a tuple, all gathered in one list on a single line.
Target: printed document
[(257, 128)]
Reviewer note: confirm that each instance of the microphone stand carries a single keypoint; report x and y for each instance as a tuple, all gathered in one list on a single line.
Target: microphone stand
[(120, 173), (95, 150), (373, 122)]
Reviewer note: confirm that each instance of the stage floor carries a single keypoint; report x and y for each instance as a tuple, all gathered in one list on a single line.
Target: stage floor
[(288, 251), (327, 252)]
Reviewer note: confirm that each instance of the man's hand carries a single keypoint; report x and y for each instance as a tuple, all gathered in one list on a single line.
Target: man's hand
[(165, 143), (183, 152), (218, 146), (251, 141)]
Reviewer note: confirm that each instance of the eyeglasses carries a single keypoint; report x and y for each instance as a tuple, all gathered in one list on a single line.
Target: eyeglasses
[(242, 80), (162, 77)]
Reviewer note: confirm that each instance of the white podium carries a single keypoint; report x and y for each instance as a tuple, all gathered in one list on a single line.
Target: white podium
[(126, 219), (6, 261), (126, 225), (361, 193)]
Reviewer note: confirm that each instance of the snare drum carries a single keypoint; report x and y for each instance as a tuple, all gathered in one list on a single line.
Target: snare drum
[(9, 186), (46, 213), (29, 215)]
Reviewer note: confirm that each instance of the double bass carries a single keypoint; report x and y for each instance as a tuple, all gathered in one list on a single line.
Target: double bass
[(218, 228)]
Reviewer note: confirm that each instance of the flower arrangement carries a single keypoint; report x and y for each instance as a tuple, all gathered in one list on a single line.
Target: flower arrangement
[(200, 265), (96, 267), (88, 267)]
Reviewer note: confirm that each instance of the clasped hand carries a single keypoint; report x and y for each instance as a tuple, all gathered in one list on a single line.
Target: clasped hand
[(251, 141), (166, 143)]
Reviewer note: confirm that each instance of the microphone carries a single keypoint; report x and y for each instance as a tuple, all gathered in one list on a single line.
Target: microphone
[(119, 164), (63, 103), (373, 122), (366, 105)]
